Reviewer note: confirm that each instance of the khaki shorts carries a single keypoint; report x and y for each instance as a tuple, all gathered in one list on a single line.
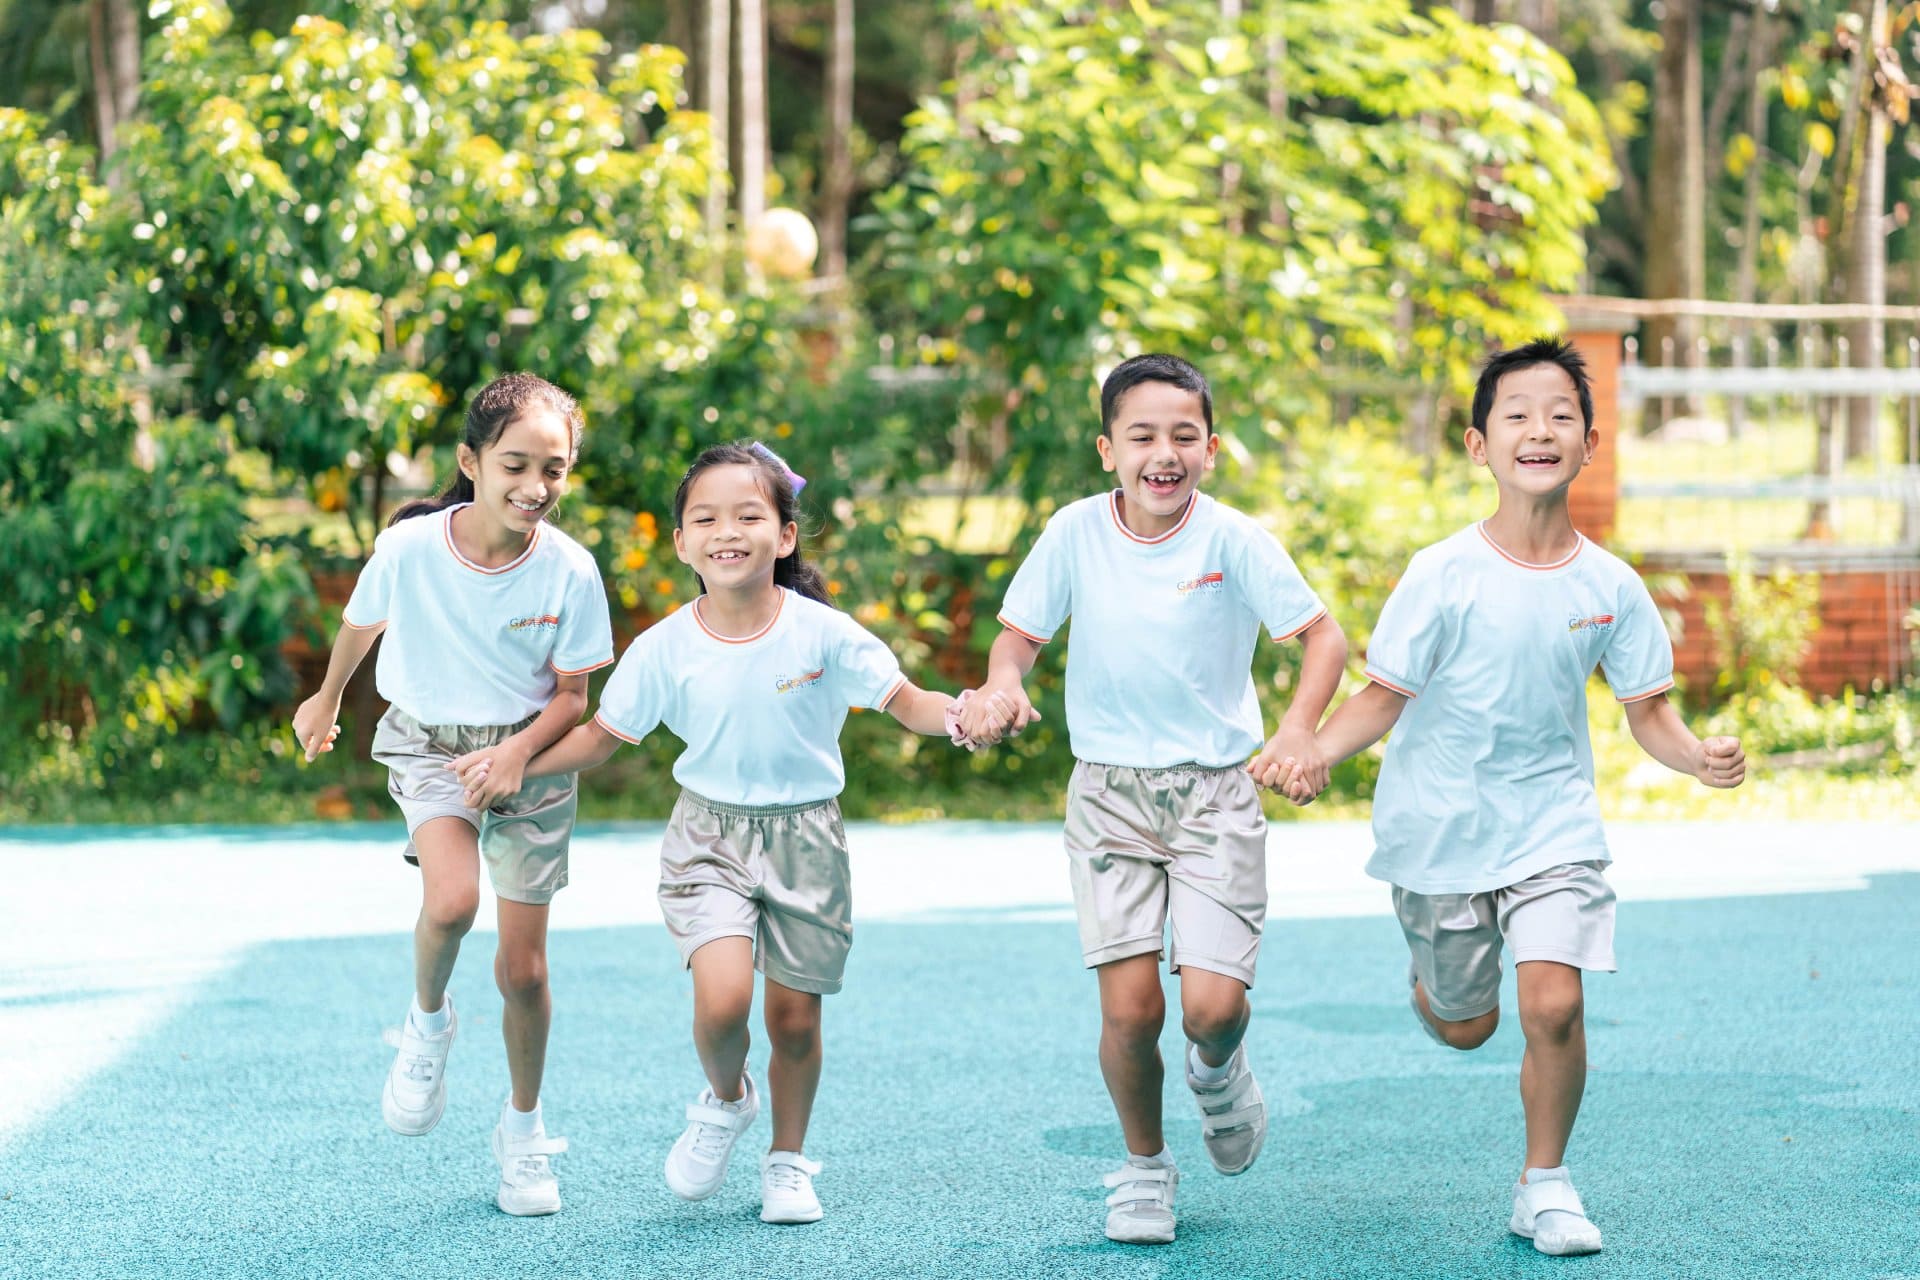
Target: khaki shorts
[(1185, 846), (774, 873), (523, 838), (1564, 914)]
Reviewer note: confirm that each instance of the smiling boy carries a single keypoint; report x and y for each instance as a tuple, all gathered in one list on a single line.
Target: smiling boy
[(1485, 820), (1168, 590)]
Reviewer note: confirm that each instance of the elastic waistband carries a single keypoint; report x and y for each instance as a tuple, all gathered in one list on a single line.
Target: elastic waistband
[(1184, 767), (754, 810), (424, 727)]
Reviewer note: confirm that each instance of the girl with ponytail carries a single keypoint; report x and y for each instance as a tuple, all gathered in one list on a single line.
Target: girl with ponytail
[(756, 676), (492, 619)]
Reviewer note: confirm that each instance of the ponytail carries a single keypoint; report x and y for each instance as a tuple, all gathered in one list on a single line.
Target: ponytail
[(459, 491)]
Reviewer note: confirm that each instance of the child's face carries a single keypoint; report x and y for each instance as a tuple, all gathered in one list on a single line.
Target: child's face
[(518, 478), (1535, 442), (730, 531), (1159, 447)]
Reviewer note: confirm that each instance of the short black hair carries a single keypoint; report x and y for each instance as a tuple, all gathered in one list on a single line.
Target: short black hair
[(1171, 370), (1555, 351)]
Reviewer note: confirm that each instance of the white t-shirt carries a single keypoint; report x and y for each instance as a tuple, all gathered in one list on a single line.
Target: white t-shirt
[(760, 714), (469, 645), (1159, 665), (1488, 776)]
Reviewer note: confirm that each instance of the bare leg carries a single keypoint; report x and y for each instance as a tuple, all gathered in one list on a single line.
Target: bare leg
[(793, 1071), (1132, 1011), (449, 853), (520, 970), (1214, 1013), (1469, 1033), (1553, 1073), (722, 1001)]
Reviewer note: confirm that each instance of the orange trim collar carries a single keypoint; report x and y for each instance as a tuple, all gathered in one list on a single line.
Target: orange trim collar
[(1579, 542), (702, 622), (1113, 509)]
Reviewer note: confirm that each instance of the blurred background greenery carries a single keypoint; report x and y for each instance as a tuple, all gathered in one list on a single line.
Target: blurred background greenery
[(255, 259)]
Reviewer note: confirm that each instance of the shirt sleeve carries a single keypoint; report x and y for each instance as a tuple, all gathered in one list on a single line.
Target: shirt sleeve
[(1271, 585), (585, 642), (372, 594), (634, 701), (865, 672), (1638, 661), (1040, 597), (1412, 631)]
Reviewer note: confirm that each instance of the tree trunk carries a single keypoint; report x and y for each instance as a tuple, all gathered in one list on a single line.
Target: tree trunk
[(836, 169), (113, 57), (1277, 105), (1746, 277), (752, 174), (1676, 204), (1867, 256), (715, 80), (1230, 173)]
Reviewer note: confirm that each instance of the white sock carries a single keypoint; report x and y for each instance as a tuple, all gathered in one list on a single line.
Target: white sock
[(736, 1103), (516, 1123), (1203, 1073), (1162, 1161), (432, 1023)]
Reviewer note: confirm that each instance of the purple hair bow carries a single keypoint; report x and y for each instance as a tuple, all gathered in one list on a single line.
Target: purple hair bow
[(794, 478)]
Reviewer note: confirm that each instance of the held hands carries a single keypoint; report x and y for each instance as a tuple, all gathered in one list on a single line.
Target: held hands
[(982, 717), (1292, 764), (313, 725), (993, 714), (491, 774), (1721, 762)]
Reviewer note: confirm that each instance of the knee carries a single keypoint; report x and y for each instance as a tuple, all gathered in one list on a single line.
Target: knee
[(1552, 1015), (1135, 1020), (795, 1030), (1213, 1022), (1470, 1034), (451, 910), (725, 1009), (522, 974)]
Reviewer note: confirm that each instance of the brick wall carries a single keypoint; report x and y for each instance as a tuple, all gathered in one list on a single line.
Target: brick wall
[(1860, 638)]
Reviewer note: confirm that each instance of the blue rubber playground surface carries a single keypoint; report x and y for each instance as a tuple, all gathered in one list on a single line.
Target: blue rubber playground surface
[(190, 1048)]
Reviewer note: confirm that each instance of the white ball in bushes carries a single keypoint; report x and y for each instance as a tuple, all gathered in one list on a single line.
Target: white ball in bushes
[(783, 244)]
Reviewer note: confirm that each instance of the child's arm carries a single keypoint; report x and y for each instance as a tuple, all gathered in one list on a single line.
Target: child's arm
[(493, 773), (1321, 666), (313, 722), (1001, 705), (920, 710), (583, 747), (1662, 734)]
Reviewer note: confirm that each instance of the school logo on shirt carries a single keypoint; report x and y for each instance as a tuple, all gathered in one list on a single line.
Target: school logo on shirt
[(1598, 622), (1215, 581), (787, 684), (535, 622)]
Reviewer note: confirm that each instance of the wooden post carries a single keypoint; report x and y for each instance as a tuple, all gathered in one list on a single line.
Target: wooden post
[(1595, 496)]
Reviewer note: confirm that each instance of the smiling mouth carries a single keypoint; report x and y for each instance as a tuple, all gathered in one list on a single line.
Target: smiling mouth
[(728, 557), (1539, 459), (528, 507), (1162, 480)]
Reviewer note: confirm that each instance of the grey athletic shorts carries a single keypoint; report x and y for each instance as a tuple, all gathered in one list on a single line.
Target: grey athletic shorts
[(1186, 847), (774, 873), (523, 838), (1564, 914)]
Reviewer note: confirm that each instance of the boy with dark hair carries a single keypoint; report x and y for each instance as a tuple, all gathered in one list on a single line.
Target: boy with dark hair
[(1485, 819), (1168, 590)]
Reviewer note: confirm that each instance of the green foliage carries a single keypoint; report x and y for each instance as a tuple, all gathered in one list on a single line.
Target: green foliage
[(1760, 635), (1108, 180)]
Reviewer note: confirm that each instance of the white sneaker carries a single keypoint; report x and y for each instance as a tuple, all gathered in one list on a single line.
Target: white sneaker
[(786, 1188), (697, 1165), (1547, 1211), (416, 1091), (1233, 1114), (1140, 1210), (527, 1185)]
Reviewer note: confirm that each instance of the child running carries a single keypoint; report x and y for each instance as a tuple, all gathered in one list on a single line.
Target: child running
[(492, 619), (1485, 820), (756, 676), (1168, 590)]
